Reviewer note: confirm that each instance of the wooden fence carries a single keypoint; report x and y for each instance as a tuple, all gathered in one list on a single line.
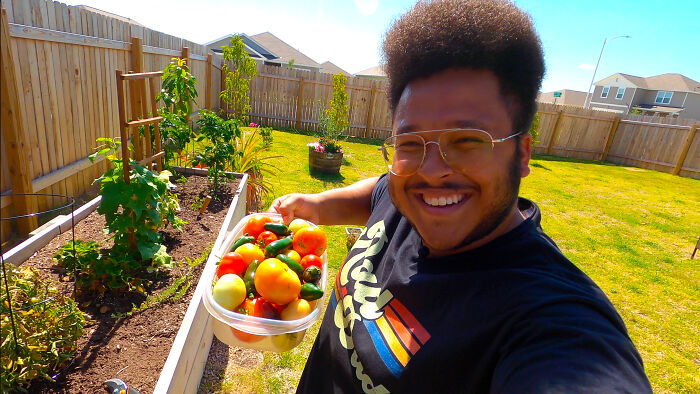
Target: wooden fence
[(662, 144), (276, 93), (63, 59)]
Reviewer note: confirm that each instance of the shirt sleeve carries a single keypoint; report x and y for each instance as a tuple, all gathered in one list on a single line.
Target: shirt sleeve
[(381, 190), (570, 348)]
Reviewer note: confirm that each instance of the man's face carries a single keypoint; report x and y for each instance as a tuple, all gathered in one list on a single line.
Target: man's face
[(485, 196)]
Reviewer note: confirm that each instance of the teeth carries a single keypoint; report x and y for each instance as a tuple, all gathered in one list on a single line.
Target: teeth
[(443, 200)]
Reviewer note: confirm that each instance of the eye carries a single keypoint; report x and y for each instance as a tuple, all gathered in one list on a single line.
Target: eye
[(408, 145)]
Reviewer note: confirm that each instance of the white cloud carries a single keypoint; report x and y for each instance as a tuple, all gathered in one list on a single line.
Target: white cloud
[(584, 66), (367, 7)]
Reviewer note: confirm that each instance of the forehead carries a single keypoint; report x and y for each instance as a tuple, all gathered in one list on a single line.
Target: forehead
[(453, 99)]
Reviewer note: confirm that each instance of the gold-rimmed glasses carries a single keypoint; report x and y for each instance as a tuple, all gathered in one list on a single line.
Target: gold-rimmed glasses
[(461, 149)]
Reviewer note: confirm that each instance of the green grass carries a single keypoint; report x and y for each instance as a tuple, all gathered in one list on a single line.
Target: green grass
[(631, 230)]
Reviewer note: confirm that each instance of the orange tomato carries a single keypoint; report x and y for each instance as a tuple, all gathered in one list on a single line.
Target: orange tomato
[(310, 240), (255, 225), (250, 252), (276, 282), (249, 307)]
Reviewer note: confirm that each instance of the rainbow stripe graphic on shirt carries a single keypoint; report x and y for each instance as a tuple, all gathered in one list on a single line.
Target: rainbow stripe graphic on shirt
[(397, 334)]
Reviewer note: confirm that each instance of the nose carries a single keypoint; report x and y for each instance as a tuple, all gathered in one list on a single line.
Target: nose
[(434, 165)]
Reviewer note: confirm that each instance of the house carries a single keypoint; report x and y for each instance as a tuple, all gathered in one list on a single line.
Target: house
[(330, 68), (672, 95), (375, 72), (566, 97), (266, 48)]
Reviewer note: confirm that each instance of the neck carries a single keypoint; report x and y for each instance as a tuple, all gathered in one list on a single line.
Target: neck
[(513, 219)]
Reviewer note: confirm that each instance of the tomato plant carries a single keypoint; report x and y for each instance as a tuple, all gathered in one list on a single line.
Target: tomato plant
[(219, 152), (133, 212)]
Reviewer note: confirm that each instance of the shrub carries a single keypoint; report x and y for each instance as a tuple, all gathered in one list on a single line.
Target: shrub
[(534, 129), (48, 324), (237, 79)]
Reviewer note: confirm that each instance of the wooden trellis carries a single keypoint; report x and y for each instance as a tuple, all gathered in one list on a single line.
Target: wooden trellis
[(139, 105)]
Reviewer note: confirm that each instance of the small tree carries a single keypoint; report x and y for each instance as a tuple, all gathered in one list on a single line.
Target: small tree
[(334, 118), (535, 129), (237, 82), (290, 64)]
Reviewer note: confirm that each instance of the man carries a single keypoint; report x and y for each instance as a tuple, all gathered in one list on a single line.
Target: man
[(453, 286)]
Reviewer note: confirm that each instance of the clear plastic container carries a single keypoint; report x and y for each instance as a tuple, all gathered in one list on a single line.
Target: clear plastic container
[(235, 329)]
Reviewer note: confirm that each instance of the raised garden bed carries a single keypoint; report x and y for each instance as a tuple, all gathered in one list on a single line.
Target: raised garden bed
[(135, 348)]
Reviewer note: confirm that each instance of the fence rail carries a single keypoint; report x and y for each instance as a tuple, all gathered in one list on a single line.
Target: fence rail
[(61, 61)]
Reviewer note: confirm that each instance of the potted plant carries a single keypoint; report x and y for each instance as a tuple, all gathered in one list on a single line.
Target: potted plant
[(326, 154)]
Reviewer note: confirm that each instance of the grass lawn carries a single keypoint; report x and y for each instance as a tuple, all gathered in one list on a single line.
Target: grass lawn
[(629, 229)]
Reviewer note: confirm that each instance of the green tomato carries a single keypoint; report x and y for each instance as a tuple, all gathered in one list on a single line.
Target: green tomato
[(229, 291)]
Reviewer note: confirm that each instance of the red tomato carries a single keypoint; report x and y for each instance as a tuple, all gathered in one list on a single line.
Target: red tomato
[(249, 308), (311, 259), (231, 263), (310, 240), (255, 225), (266, 237)]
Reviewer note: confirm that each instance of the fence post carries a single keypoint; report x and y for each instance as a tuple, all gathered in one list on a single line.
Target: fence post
[(21, 174), (370, 112), (186, 56), (137, 89), (300, 103), (609, 141), (207, 98), (557, 125), (686, 148)]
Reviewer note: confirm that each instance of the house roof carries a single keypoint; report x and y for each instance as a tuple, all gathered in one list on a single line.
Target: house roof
[(375, 71), (253, 49), (670, 81), (330, 68), (284, 51)]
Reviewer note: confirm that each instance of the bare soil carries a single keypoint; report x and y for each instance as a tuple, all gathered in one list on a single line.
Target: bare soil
[(134, 349)]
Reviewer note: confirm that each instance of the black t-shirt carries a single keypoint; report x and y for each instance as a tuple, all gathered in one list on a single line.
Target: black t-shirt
[(511, 316)]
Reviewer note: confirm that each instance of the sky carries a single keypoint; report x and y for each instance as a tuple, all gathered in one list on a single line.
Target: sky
[(665, 35)]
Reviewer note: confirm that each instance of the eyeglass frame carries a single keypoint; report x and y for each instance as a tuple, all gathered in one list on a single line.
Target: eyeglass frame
[(443, 155)]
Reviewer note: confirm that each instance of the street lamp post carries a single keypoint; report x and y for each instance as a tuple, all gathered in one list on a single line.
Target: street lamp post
[(586, 102)]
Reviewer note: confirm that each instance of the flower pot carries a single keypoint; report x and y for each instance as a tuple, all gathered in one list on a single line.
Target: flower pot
[(325, 162)]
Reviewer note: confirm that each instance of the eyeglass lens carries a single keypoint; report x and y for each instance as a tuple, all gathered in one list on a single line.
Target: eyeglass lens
[(461, 149)]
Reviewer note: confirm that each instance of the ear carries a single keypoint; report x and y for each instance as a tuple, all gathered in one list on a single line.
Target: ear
[(525, 152)]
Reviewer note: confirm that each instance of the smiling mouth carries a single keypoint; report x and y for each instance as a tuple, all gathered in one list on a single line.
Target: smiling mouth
[(442, 201)]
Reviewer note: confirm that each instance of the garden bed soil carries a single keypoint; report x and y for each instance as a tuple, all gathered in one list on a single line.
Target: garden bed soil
[(134, 349)]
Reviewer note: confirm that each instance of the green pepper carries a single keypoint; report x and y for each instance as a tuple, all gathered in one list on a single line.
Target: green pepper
[(296, 267), (276, 247), (245, 239), (311, 274), (310, 292), (249, 278), (277, 228)]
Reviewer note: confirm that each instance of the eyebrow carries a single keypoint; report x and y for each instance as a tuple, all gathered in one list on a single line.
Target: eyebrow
[(457, 124)]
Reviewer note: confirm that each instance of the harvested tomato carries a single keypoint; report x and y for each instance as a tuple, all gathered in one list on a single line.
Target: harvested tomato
[(294, 255), (249, 307), (255, 225), (266, 237), (311, 259), (231, 263), (310, 240), (250, 252), (276, 282)]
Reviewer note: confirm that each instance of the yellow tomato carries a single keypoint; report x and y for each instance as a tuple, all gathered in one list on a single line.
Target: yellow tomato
[(276, 282), (294, 255), (250, 252), (297, 224), (296, 310)]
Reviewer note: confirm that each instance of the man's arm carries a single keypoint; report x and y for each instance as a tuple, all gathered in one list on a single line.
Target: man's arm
[(346, 205)]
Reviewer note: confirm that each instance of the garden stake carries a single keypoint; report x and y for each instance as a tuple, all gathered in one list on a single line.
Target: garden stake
[(204, 206)]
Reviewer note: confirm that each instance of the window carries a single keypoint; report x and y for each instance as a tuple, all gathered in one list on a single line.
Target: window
[(620, 93), (663, 97), (604, 93)]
